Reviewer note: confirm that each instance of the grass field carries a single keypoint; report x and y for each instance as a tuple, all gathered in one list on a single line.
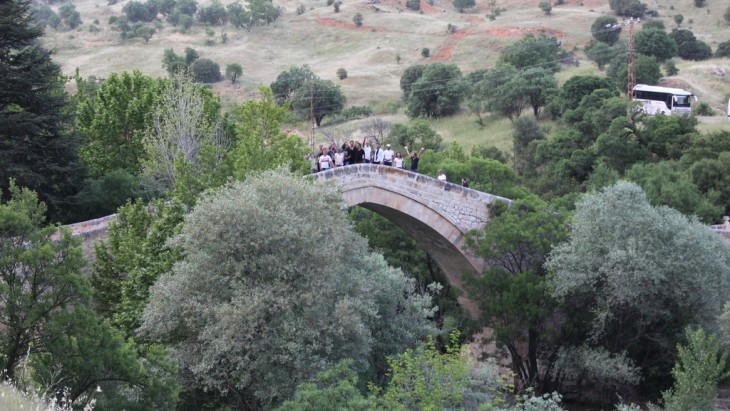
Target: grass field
[(327, 41)]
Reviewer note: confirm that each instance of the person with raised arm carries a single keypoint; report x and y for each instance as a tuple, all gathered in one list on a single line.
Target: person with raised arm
[(415, 158)]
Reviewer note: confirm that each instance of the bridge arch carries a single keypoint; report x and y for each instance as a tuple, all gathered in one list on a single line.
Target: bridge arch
[(435, 213)]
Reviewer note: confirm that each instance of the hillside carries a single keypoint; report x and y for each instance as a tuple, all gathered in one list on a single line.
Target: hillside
[(327, 41)]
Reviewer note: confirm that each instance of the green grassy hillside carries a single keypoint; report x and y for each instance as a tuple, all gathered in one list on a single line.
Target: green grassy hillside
[(327, 41)]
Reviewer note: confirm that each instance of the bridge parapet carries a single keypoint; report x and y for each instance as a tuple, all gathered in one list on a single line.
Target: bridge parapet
[(465, 208)]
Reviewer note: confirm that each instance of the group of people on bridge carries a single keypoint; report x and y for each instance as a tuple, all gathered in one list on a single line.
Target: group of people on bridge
[(354, 152)]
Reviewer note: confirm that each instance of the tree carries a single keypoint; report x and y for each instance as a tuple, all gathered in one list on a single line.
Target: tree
[(647, 70), (723, 49), (614, 269), (414, 5), (463, 4), (606, 30), (512, 295), (341, 73), (357, 19), (213, 14), (187, 140), (678, 18), (688, 47), (546, 7), (114, 121), (410, 76), (530, 51), (70, 17), (136, 11), (726, 15), (655, 42), (290, 80), (35, 149), (437, 92), (700, 367), (206, 71), (260, 143), (628, 8), (699, 3), (40, 277), (318, 98), (418, 133), (271, 285), (233, 72)]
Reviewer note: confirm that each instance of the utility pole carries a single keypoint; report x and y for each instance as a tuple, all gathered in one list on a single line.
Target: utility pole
[(631, 65), (311, 114)]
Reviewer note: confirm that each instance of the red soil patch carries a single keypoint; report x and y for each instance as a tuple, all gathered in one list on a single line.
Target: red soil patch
[(472, 19), (428, 9), (446, 50), (519, 32)]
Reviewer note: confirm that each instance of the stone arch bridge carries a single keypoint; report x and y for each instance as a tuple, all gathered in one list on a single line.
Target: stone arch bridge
[(435, 213)]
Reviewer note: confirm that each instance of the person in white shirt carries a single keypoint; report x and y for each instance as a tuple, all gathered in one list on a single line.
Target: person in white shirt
[(388, 155), (398, 161), (442, 176), (325, 162), (377, 155), (339, 158), (367, 149)]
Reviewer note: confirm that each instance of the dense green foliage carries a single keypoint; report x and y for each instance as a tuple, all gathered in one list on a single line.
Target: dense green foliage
[(437, 92), (512, 295), (35, 148), (248, 254), (606, 29), (636, 300)]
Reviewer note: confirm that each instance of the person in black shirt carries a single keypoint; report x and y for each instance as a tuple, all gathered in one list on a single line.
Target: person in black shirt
[(415, 157)]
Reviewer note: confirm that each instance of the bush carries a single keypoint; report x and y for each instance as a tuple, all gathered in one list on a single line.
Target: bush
[(214, 14), (671, 68), (723, 49), (341, 73), (546, 7), (357, 19), (414, 5), (356, 112), (425, 52), (699, 3), (703, 109), (337, 5), (628, 8), (233, 71), (136, 11), (301, 9), (206, 71)]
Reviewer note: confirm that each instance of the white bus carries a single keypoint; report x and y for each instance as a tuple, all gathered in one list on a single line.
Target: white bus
[(663, 100)]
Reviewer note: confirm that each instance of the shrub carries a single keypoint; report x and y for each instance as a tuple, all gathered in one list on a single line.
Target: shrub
[(425, 52), (233, 71), (699, 3), (337, 5), (357, 19), (546, 7), (341, 73), (723, 49), (727, 14), (703, 109), (414, 5), (671, 68), (357, 112), (206, 71), (301, 9), (678, 18)]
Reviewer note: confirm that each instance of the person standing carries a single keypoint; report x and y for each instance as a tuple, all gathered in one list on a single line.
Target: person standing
[(465, 182), (388, 155), (377, 155), (340, 158), (366, 151), (357, 154), (398, 161), (325, 161), (415, 158), (442, 176)]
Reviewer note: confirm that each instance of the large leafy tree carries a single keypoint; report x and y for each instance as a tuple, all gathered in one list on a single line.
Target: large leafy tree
[(438, 91), (114, 120), (289, 80), (254, 308), (641, 274), (531, 51), (512, 295), (35, 150), (655, 42), (606, 29), (39, 276), (317, 99), (186, 143), (260, 143)]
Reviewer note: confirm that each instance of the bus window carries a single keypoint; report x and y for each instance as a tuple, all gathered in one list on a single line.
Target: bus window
[(681, 101)]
